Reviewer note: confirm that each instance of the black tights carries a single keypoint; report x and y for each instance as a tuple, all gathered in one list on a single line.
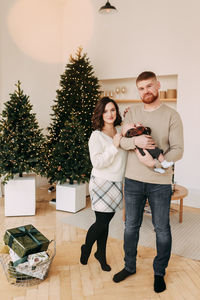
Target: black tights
[(99, 232)]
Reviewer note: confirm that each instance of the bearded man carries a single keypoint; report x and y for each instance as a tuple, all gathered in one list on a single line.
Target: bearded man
[(142, 183)]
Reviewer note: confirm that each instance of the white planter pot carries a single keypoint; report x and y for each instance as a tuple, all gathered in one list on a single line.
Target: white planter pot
[(70, 197), (20, 196)]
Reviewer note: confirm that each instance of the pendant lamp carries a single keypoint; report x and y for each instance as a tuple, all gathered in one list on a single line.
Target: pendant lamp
[(107, 9)]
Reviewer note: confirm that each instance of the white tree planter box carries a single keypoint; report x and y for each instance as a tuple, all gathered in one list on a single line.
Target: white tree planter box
[(70, 197), (20, 196)]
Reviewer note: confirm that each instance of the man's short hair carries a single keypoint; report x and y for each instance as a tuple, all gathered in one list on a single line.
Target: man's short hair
[(145, 75)]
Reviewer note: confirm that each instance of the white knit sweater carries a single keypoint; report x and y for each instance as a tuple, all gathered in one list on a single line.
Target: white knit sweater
[(108, 161)]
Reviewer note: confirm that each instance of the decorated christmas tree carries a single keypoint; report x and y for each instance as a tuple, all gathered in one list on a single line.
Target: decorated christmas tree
[(21, 139), (71, 154), (67, 146)]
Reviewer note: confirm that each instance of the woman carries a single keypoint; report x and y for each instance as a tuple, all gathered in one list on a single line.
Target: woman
[(105, 185)]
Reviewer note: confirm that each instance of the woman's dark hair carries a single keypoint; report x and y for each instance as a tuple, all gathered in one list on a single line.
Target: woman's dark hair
[(97, 118)]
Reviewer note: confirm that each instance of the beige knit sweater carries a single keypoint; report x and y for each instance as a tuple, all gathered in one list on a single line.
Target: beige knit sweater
[(167, 131)]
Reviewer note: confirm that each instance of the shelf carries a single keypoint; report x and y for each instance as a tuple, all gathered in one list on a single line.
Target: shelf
[(115, 88), (138, 100)]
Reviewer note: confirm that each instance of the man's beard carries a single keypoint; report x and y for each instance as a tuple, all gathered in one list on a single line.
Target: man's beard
[(149, 98)]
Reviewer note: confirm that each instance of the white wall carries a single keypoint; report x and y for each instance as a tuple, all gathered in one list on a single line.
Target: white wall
[(39, 76), (162, 36)]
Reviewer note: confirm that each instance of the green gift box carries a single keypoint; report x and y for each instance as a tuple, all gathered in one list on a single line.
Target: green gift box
[(25, 240)]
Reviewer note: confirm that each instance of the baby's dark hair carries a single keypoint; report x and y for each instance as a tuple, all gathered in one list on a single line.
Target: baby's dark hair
[(135, 131)]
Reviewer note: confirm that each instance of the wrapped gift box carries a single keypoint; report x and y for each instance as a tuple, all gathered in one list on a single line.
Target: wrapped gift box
[(14, 276), (37, 259), (32, 259), (25, 240), (39, 271), (14, 257)]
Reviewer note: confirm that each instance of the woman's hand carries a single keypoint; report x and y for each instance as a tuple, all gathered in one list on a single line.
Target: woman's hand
[(147, 159), (116, 139)]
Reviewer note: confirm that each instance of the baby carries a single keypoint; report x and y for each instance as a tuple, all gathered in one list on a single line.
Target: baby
[(130, 130)]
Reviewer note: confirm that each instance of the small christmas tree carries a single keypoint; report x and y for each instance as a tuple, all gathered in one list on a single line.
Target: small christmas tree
[(73, 108), (21, 140)]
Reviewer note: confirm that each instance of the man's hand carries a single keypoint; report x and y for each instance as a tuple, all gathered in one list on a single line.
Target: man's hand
[(125, 111), (145, 141), (147, 159)]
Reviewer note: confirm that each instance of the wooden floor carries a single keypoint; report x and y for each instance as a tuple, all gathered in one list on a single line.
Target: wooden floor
[(69, 280)]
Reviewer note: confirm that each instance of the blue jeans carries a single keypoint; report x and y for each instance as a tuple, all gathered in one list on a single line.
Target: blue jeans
[(159, 198)]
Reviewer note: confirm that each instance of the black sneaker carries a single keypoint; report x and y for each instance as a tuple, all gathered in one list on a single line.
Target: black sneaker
[(51, 189)]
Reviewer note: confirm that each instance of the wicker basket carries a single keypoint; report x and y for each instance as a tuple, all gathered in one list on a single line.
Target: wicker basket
[(19, 279)]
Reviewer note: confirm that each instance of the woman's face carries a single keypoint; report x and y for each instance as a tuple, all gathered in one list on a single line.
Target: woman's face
[(109, 115)]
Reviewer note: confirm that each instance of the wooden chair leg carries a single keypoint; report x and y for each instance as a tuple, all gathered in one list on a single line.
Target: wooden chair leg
[(181, 210)]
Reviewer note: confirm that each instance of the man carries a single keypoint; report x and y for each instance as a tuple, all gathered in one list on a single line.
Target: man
[(142, 183)]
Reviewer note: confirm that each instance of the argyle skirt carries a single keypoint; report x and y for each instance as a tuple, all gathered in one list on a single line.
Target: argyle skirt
[(105, 195)]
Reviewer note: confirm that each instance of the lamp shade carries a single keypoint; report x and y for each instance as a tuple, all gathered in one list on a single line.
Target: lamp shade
[(107, 9)]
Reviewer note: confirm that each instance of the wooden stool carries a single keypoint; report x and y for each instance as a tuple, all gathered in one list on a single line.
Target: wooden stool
[(179, 193)]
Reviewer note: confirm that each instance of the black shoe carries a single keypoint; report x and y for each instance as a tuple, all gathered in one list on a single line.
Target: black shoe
[(159, 284), (85, 253), (53, 201), (103, 263), (51, 189), (123, 274)]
